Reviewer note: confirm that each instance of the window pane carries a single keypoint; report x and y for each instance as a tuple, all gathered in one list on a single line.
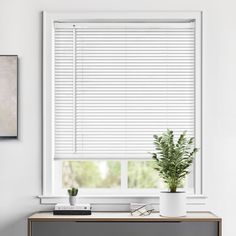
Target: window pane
[(91, 174), (142, 175)]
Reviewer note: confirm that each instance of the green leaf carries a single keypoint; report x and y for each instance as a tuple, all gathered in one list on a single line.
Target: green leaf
[(173, 159)]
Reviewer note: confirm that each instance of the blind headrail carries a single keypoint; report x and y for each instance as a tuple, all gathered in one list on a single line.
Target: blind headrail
[(126, 23)]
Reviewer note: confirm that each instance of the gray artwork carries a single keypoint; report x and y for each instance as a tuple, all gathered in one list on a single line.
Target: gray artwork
[(8, 96)]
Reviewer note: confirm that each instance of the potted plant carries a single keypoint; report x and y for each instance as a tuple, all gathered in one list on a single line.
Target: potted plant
[(72, 195), (172, 161)]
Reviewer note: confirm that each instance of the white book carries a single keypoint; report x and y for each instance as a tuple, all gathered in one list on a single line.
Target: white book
[(69, 207)]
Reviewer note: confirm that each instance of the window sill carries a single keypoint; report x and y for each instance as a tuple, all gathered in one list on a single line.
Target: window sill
[(121, 203)]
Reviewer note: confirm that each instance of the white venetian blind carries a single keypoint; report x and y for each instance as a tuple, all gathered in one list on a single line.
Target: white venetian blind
[(117, 84)]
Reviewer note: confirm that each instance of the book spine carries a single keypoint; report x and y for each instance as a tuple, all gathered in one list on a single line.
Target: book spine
[(74, 212), (72, 208)]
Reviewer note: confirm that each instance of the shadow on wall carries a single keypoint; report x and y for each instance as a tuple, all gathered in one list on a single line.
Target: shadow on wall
[(15, 227), (16, 223)]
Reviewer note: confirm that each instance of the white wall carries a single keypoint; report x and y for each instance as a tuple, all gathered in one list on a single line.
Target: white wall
[(20, 160)]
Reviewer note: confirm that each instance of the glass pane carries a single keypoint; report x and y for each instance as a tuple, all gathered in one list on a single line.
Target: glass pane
[(91, 174), (142, 175)]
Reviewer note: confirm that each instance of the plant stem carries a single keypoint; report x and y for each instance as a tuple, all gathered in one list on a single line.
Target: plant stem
[(173, 187)]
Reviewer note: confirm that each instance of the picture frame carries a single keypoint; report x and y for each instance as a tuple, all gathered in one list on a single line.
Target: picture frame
[(8, 96)]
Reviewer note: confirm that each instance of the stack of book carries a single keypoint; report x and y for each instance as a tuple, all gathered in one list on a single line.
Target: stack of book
[(78, 209)]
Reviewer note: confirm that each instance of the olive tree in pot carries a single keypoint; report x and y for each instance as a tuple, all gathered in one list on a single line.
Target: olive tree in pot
[(173, 159), (72, 195)]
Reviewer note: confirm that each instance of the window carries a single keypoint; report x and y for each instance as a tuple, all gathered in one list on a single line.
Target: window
[(112, 85)]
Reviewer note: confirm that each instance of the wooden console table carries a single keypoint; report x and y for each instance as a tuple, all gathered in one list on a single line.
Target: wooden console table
[(123, 224)]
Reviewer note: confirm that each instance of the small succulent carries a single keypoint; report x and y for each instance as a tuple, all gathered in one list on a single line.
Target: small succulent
[(72, 191)]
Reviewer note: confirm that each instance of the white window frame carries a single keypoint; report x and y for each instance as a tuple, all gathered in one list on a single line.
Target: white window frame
[(48, 23)]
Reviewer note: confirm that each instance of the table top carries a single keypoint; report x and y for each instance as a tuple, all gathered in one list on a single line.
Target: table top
[(122, 217)]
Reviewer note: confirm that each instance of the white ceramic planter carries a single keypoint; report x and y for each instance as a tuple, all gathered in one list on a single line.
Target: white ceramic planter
[(72, 200), (173, 204)]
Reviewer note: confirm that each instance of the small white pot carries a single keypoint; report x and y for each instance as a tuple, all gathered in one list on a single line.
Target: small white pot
[(72, 200), (173, 204)]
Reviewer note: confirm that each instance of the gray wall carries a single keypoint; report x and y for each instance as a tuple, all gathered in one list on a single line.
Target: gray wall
[(20, 160)]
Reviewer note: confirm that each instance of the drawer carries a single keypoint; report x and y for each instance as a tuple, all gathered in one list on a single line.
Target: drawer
[(124, 228)]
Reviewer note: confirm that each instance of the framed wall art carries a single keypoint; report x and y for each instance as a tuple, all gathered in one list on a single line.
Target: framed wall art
[(8, 96)]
